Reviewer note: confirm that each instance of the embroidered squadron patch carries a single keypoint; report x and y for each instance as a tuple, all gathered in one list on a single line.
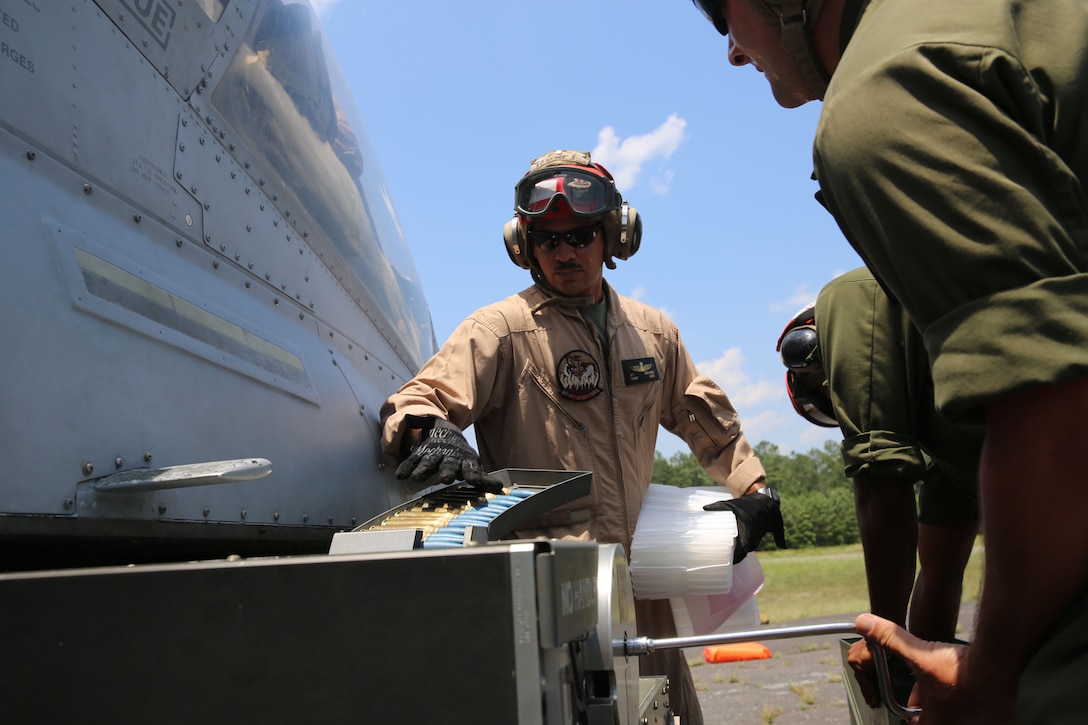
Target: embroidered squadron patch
[(640, 370), (579, 376)]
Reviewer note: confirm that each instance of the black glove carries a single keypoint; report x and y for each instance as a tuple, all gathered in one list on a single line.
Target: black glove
[(756, 515), (443, 448)]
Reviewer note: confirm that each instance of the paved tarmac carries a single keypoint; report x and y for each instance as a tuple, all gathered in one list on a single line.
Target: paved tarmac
[(802, 682)]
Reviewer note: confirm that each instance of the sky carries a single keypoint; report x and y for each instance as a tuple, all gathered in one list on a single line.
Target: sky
[(458, 98)]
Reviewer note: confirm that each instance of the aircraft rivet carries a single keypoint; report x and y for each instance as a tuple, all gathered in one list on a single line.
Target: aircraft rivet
[(218, 157), (137, 218), (247, 284), (203, 66), (88, 190), (145, 43), (162, 508), (184, 122), (231, 147), (276, 516), (68, 503), (260, 182), (179, 176), (305, 235), (249, 227), (243, 513), (88, 468), (222, 134), (201, 140), (275, 197), (30, 155), (330, 521), (267, 277), (179, 243), (207, 206), (353, 520), (147, 456), (215, 264), (118, 462), (246, 164), (206, 511), (181, 147), (208, 238), (187, 90), (276, 301), (283, 286), (237, 257), (193, 189), (301, 316), (275, 222), (307, 278), (251, 265), (305, 518)]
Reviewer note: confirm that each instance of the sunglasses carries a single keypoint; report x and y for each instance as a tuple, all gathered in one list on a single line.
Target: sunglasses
[(712, 10), (577, 238)]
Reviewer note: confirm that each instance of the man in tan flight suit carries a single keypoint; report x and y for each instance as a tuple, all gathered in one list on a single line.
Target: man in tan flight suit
[(569, 375)]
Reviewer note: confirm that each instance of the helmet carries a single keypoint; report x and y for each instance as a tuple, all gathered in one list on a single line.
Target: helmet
[(793, 17), (566, 183), (799, 347)]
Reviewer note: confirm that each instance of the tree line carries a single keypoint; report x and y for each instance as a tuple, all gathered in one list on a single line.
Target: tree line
[(817, 499)]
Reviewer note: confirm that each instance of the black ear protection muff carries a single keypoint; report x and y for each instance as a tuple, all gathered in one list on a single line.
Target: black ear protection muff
[(622, 236)]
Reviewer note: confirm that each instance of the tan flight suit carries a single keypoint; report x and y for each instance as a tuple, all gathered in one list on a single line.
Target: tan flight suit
[(532, 377)]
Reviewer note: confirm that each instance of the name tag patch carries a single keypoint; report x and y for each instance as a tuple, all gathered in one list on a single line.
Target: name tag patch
[(640, 370)]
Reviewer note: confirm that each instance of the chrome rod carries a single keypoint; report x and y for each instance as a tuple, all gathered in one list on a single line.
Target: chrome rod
[(637, 646)]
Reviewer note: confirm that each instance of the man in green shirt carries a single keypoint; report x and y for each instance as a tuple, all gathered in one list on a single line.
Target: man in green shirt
[(854, 361), (952, 149)]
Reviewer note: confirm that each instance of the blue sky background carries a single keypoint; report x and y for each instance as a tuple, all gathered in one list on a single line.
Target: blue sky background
[(457, 99)]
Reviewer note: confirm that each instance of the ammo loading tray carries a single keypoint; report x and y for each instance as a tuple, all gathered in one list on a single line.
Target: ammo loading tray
[(458, 514)]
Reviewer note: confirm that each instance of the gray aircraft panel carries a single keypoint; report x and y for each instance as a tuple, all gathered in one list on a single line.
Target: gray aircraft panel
[(200, 267)]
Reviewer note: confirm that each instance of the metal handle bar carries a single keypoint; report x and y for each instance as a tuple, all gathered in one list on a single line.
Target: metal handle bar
[(637, 646)]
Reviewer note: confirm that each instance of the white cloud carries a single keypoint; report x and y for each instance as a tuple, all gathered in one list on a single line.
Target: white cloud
[(728, 372), (625, 157)]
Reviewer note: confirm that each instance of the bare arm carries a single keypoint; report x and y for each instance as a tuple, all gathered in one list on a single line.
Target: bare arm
[(1036, 540)]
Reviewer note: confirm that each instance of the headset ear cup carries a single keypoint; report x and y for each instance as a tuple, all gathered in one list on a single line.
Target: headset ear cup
[(515, 245), (626, 242)]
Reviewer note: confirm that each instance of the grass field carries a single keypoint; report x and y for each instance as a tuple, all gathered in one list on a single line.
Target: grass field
[(801, 583)]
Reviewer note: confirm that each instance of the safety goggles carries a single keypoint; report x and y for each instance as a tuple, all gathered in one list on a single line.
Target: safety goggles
[(586, 193), (812, 404), (577, 238), (712, 10)]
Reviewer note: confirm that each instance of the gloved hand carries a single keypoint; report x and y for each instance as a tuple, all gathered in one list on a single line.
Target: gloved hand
[(756, 515), (443, 448)]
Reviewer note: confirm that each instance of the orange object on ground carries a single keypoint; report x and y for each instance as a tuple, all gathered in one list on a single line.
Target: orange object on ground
[(736, 652)]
